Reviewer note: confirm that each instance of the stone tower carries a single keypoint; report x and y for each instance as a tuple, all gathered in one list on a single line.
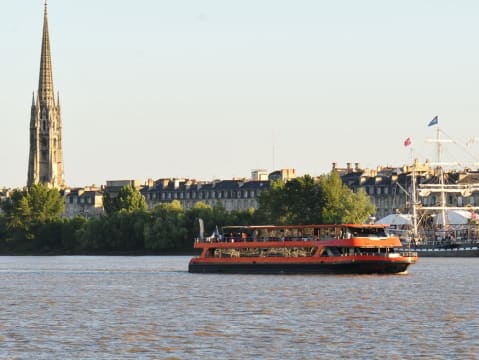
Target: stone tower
[(45, 163)]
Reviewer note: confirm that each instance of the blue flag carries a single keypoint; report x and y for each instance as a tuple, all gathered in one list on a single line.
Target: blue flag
[(434, 121)]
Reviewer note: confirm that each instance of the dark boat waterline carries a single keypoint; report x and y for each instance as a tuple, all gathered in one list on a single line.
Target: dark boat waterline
[(358, 267)]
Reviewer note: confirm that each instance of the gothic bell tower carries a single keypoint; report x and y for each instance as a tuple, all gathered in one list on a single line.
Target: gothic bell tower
[(45, 163)]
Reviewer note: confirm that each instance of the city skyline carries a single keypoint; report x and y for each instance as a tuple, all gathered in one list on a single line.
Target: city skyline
[(212, 90)]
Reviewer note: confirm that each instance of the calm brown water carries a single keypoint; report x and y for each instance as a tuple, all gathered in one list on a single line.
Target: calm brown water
[(152, 308)]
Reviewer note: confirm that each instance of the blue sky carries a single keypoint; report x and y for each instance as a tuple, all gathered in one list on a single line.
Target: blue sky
[(212, 89)]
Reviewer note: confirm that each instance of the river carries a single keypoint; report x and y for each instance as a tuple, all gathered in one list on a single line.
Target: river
[(99, 307)]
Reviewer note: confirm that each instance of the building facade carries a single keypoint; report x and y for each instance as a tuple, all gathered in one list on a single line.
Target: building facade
[(45, 163), (390, 188), (232, 195), (86, 202)]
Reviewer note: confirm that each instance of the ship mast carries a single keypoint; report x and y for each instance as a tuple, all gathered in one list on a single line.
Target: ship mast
[(441, 177), (414, 197)]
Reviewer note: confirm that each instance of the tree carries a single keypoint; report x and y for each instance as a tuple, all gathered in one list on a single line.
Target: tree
[(304, 200), (30, 208), (128, 200), (340, 204), (167, 228), (272, 204), (297, 201), (200, 210)]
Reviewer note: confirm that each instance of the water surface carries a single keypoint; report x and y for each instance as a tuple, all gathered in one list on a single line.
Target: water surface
[(152, 308)]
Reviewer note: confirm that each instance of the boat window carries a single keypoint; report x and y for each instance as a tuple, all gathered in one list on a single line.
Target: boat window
[(331, 251), (327, 233)]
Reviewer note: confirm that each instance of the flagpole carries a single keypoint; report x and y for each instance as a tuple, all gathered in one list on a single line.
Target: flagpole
[(440, 172)]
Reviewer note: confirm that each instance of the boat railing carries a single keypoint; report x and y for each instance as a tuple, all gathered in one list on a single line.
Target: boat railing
[(251, 239)]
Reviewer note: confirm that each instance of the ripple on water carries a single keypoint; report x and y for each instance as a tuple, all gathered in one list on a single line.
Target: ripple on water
[(150, 307)]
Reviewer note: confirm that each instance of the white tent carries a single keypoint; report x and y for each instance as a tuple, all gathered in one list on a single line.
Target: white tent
[(454, 217), (396, 219)]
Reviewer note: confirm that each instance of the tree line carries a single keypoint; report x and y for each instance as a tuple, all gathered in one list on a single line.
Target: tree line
[(31, 220)]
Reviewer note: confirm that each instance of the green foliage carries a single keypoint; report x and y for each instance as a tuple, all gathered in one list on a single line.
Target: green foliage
[(94, 235), (297, 201), (199, 211), (272, 204), (72, 230), (166, 230), (340, 204), (128, 200), (29, 209), (304, 201), (31, 220), (121, 231)]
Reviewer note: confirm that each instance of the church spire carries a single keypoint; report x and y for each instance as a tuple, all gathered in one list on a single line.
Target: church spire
[(45, 162), (45, 83)]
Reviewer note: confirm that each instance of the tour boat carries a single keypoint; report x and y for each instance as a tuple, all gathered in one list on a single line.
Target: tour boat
[(302, 249)]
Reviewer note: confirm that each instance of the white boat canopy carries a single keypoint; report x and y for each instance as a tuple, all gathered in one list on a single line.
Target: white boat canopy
[(454, 217), (396, 219)]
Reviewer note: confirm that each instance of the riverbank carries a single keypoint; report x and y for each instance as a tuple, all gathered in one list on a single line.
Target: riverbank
[(168, 252)]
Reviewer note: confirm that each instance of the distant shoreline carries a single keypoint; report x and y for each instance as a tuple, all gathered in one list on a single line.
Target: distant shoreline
[(180, 252)]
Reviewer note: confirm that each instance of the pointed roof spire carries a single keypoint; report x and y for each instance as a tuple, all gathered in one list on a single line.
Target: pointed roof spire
[(45, 83)]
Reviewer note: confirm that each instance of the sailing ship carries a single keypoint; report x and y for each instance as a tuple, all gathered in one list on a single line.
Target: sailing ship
[(435, 203)]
